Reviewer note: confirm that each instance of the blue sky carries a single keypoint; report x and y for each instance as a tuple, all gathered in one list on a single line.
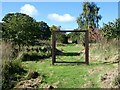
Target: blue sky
[(60, 13)]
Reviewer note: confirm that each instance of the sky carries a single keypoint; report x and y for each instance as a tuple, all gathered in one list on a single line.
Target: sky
[(62, 14)]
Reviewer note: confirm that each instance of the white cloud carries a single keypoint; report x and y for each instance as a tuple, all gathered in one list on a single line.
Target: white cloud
[(29, 10), (61, 18)]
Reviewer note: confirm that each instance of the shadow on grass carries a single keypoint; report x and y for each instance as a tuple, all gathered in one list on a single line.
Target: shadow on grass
[(69, 64), (70, 54), (82, 63), (34, 57)]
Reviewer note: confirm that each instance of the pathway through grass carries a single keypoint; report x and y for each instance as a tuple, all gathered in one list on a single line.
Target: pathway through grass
[(70, 75)]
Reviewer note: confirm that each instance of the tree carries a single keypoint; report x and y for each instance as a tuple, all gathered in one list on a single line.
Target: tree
[(60, 36), (23, 29), (45, 30), (74, 36), (53, 27), (19, 28), (89, 16), (111, 30)]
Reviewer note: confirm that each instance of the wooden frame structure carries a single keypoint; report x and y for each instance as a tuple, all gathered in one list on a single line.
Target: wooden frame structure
[(86, 46)]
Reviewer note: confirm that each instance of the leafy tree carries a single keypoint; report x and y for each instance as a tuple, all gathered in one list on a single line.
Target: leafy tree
[(75, 37), (45, 30), (23, 29), (53, 27), (19, 28), (60, 36), (89, 16), (112, 29)]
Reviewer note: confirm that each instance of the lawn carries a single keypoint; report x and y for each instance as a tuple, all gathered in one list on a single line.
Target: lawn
[(70, 75)]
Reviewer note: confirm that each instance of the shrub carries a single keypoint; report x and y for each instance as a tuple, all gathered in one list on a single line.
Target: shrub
[(11, 67), (32, 74), (11, 73), (36, 53), (76, 37), (111, 30), (61, 38)]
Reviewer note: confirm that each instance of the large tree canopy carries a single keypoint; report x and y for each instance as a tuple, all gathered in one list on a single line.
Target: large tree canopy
[(89, 16), (19, 28), (23, 29)]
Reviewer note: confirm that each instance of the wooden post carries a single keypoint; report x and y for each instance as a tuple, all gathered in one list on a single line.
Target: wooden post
[(87, 47), (53, 47)]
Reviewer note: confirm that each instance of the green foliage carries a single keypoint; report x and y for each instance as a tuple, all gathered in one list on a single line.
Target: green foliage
[(32, 74), (65, 75), (112, 29), (23, 29), (45, 30), (76, 37), (11, 73), (36, 53), (61, 38), (53, 27), (19, 28), (89, 16)]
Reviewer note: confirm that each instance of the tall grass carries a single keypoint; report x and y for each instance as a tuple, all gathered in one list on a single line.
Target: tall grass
[(11, 68), (6, 49), (104, 51)]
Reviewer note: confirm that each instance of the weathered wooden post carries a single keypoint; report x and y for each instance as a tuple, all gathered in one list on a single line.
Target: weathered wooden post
[(53, 47), (87, 47)]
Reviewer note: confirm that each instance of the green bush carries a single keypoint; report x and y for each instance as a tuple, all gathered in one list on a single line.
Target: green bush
[(10, 66), (36, 53), (111, 30), (76, 37), (11, 73), (61, 38)]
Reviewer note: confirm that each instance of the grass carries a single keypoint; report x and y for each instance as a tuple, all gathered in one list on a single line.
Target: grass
[(71, 53), (70, 75), (11, 68)]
